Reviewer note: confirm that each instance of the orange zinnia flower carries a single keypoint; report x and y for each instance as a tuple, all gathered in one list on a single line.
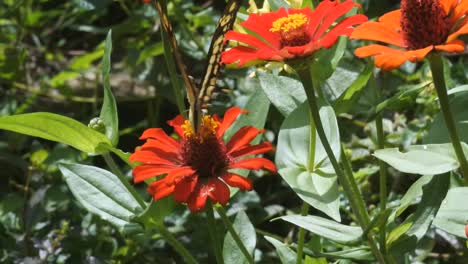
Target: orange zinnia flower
[(415, 30), (285, 34), (197, 165)]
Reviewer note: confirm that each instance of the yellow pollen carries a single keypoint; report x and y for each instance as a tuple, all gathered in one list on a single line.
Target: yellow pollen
[(208, 126), (187, 128), (291, 22)]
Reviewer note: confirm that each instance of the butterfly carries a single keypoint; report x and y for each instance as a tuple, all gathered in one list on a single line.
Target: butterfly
[(199, 96)]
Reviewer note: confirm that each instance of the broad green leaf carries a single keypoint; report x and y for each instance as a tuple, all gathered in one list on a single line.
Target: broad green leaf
[(326, 228), (246, 231), (258, 105), (438, 132), (286, 255), (347, 99), (61, 78), (109, 114), (84, 62), (101, 193), (417, 224), (421, 159), (453, 213), (325, 61), (156, 212), (285, 93), (318, 185), (57, 128), (413, 193), (357, 254)]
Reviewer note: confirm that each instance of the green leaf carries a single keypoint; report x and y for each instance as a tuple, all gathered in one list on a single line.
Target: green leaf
[(356, 254), (350, 97), (286, 255), (325, 61), (92, 4), (258, 106), (318, 185), (57, 128), (416, 225), (109, 115), (150, 51), (421, 159), (101, 193), (413, 194), (61, 78), (438, 132), (285, 93), (246, 231), (277, 4), (453, 213), (326, 228), (156, 212)]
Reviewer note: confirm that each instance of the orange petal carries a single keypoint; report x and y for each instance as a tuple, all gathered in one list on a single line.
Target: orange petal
[(392, 19), (378, 31), (238, 181), (388, 58), (218, 191), (460, 31), (143, 172), (448, 5), (242, 138), (455, 46), (252, 150), (159, 189), (184, 188), (254, 164)]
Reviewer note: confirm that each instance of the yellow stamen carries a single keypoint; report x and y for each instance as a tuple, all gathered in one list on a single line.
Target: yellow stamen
[(208, 126), (187, 128), (291, 22)]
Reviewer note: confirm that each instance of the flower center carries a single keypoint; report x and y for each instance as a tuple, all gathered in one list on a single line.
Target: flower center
[(423, 23), (292, 30), (204, 151)]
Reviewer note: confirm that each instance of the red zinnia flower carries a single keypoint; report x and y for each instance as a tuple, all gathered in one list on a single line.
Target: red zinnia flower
[(416, 29), (285, 34), (197, 165), (466, 230)]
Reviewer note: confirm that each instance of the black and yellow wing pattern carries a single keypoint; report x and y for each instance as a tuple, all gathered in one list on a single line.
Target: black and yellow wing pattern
[(199, 97)]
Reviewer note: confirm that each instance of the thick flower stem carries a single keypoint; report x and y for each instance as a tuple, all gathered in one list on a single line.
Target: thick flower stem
[(234, 235), (213, 232), (116, 170), (437, 69), (175, 244), (347, 181), (301, 236)]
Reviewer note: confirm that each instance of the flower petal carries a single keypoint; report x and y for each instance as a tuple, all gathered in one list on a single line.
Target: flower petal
[(159, 189), (332, 15), (197, 199), (176, 175), (388, 58), (177, 123), (160, 149), (378, 31), (184, 188), (261, 24), (318, 15), (238, 181), (240, 55), (219, 192), (159, 134), (252, 150), (242, 138), (143, 172), (455, 46), (254, 164), (150, 157), (448, 5), (229, 117), (344, 28), (460, 31)]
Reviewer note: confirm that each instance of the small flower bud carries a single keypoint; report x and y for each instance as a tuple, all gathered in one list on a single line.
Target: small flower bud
[(97, 124)]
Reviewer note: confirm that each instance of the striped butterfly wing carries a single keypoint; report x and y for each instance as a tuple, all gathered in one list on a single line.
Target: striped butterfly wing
[(213, 66), (189, 85)]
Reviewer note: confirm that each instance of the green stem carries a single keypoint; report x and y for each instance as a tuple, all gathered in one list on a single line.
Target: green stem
[(348, 183), (213, 232), (382, 178), (175, 244), (302, 233), (437, 69), (234, 234), (116, 170)]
